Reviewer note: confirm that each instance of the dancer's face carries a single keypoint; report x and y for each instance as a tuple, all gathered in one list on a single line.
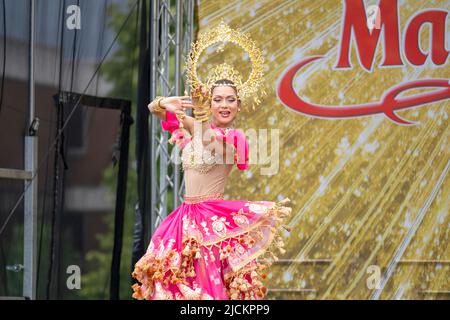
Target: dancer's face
[(224, 105)]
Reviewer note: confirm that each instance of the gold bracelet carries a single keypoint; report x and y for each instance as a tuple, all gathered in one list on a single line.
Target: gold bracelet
[(201, 115), (157, 104), (200, 110), (159, 107), (202, 118)]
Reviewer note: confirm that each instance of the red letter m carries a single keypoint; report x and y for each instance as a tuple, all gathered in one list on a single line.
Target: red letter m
[(356, 19)]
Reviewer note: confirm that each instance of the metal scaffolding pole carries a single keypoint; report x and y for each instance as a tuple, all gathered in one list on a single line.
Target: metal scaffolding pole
[(30, 199), (171, 29)]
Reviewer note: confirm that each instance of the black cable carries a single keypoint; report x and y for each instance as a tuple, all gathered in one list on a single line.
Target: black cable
[(55, 167), (4, 55), (72, 71), (58, 185), (134, 58), (119, 218), (54, 205), (44, 202), (66, 122)]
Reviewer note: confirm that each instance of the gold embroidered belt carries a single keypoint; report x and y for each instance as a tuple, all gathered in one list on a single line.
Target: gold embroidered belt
[(197, 199)]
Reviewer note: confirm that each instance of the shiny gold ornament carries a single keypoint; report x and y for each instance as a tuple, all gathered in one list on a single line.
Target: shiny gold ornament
[(156, 106), (248, 90)]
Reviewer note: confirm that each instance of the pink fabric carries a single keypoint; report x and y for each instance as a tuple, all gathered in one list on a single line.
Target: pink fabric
[(179, 135), (245, 227), (171, 123), (238, 139), (207, 247)]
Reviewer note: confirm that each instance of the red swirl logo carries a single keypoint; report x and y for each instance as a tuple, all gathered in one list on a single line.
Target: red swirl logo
[(366, 38), (389, 103)]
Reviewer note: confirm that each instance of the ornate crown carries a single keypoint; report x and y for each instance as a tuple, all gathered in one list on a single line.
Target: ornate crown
[(224, 71), (247, 90)]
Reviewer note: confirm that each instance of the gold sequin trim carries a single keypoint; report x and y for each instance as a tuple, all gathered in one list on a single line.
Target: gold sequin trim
[(197, 199)]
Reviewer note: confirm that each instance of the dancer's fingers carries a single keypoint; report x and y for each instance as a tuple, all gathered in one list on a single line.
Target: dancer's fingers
[(188, 105)]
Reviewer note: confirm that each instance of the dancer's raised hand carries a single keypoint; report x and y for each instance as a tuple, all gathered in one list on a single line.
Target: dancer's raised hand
[(177, 104), (200, 98)]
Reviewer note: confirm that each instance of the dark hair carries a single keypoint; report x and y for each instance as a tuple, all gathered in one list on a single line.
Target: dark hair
[(224, 81)]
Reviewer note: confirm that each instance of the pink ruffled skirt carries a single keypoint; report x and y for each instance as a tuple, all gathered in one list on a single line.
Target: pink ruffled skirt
[(208, 247)]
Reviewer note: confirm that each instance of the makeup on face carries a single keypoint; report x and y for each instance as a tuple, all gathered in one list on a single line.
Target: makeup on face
[(224, 105), (219, 103)]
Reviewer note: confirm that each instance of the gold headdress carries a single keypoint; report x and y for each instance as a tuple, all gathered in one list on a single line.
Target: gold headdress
[(247, 90)]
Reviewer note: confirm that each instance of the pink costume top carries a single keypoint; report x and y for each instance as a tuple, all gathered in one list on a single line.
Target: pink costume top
[(206, 174)]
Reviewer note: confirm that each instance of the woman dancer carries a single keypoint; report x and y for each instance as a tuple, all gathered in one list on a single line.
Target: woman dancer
[(207, 248)]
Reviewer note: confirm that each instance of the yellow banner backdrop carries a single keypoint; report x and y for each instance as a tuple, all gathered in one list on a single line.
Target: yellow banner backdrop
[(368, 180)]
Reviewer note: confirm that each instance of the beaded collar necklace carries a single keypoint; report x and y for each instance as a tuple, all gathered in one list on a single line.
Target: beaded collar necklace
[(224, 131)]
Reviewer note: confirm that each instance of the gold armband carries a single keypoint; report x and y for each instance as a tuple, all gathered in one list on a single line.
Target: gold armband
[(201, 114), (157, 105)]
